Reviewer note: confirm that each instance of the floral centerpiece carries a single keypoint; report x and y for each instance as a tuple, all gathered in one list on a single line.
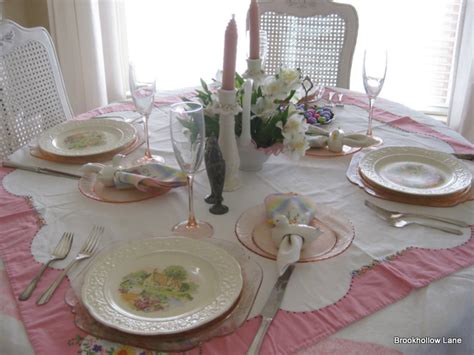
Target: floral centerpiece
[(276, 122)]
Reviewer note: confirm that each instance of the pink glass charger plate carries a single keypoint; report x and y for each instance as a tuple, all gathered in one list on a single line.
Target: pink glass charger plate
[(254, 232), (326, 153), (94, 189), (252, 278)]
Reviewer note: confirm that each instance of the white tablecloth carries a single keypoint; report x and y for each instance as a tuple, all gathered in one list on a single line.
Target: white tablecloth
[(444, 308)]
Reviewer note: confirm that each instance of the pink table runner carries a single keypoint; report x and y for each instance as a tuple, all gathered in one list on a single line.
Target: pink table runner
[(406, 124), (50, 328)]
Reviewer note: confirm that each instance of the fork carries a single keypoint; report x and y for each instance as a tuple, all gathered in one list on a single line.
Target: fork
[(59, 253), (396, 214), (87, 250), (400, 223)]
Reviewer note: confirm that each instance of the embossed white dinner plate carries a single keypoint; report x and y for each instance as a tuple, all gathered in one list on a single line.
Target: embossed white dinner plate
[(83, 138), (161, 285), (415, 171)]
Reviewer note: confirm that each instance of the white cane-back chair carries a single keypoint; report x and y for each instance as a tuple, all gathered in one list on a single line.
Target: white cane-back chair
[(32, 93), (317, 36)]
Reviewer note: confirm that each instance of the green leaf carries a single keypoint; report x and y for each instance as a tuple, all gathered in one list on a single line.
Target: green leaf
[(239, 80), (200, 92), (204, 85), (288, 98)]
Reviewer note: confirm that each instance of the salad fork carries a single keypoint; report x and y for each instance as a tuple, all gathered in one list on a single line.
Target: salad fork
[(59, 253), (87, 250), (396, 214), (400, 223)]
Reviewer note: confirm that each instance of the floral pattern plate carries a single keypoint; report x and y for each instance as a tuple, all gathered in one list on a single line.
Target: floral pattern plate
[(161, 285), (415, 171), (76, 138)]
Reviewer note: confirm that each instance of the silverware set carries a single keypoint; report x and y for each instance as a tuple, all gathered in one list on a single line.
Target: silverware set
[(60, 252), (397, 219)]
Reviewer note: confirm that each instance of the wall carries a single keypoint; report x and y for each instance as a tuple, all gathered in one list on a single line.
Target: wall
[(28, 13), (37, 13)]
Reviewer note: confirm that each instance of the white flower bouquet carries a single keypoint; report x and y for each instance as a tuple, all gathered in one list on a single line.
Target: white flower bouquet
[(277, 125)]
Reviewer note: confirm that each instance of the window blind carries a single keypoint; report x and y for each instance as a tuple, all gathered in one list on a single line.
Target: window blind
[(420, 37)]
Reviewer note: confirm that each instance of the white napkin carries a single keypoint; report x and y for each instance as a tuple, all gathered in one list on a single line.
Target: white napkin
[(288, 252), (336, 139), (290, 215), (142, 177), (291, 239)]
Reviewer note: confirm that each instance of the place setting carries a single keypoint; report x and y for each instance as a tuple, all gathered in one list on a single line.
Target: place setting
[(165, 293), (256, 226), (412, 175)]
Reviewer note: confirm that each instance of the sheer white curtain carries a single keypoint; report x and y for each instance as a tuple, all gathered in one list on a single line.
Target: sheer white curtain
[(89, 50), (461, 113)]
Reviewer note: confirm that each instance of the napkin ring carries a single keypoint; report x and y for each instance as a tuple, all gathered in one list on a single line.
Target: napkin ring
[(307, 233)]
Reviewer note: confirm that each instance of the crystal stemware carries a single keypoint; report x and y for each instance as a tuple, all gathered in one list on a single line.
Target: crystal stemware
[(188, 137), (331, 95), (320, 89), (142, 90), (373, 73)]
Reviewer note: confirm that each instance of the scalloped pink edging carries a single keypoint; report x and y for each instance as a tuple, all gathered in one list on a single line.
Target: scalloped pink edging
[(377, 287), (369, 292), (20, 223)]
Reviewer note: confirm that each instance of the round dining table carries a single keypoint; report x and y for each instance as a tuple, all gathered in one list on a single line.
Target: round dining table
[(391, 291)]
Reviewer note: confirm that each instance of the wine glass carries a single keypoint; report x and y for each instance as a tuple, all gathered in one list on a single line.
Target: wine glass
[(188, 136), (373, 74), (320, 89), (143, 89)]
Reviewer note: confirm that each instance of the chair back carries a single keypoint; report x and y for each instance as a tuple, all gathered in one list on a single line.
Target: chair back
[(317, 36), (32, 93)]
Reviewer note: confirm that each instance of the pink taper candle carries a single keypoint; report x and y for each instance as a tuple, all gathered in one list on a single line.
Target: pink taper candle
[(254, 29), (230, 53)]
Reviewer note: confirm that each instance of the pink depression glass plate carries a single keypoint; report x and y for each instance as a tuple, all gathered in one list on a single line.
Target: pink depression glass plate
[(253, 232), (326, 153), (252, 277), (94, 189)]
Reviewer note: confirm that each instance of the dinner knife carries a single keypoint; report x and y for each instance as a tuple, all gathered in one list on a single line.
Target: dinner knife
[(270, 309), (47, 171)]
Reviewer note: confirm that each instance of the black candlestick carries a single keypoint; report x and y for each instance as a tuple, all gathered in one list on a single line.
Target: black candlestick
[(215, 167)]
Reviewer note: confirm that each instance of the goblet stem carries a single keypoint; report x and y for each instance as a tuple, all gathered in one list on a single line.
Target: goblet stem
[(147, 138), (371, 111), (191, 217)]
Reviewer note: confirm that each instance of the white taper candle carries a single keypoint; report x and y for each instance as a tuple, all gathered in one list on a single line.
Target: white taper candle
[(245, 136)]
